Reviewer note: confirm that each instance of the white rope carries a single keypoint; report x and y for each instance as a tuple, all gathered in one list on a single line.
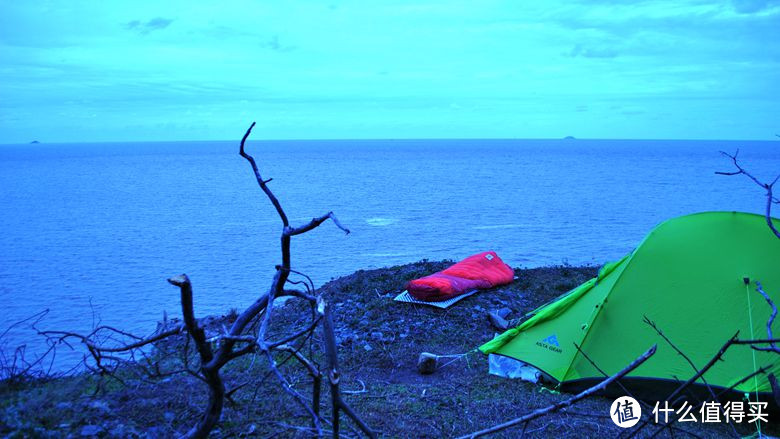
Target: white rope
[(752, 337)]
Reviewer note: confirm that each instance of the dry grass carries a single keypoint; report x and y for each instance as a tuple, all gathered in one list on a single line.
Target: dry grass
[(379, 342)]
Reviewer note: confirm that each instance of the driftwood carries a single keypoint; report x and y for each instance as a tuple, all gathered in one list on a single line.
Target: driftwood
[(247, 335)]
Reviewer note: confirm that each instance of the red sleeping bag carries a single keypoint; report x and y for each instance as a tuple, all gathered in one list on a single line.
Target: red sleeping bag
[(483, 270)]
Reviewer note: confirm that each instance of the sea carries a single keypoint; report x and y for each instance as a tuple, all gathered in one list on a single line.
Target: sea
[(91, 231)]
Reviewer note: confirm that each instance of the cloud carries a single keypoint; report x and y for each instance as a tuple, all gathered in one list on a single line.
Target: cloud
[(593, 52), (394, 67), (144, 28), (275, 45), (223, 32), (753, 6)]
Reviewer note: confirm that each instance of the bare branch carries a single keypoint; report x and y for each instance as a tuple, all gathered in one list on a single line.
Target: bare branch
[(334, 377), (772, 346), (566, 403), (775, 388), (698, 375), (297, 396), (768, 187), (679, 352), (196, 332), (606, 375), (263, 183), (246, 335), (314, 223), (212, 377), (690, 362)]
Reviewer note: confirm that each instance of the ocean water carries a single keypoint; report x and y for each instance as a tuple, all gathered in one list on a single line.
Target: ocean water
[(92, 231)]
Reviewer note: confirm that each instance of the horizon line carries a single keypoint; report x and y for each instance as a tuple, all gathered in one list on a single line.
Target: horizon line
[(336, 139)]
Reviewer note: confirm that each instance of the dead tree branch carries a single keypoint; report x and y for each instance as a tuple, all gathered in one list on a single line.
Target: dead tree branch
[(18, 367), (679, 352), (733, 341), (624, 389), (566, 403), (211, 376), (334, 378), (768, 187), (247, 335), (690, 363), (772, 346)]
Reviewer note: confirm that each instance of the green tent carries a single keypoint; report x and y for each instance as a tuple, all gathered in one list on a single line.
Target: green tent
[(688, 276)]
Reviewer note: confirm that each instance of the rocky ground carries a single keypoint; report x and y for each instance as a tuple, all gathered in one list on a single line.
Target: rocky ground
[(379, 344)]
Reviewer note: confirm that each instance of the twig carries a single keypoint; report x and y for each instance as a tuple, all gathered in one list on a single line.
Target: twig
[(690, 363), (772, 346), (355, 392), (606, 375), (334, 377), (246, 335), (678, 391), (770, 198), (566, 403)]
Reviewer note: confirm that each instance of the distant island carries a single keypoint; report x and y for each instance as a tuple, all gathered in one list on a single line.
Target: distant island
[(569, 138), (34, 141)]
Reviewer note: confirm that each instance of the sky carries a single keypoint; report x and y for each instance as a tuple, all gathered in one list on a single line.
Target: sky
[(87, 71)]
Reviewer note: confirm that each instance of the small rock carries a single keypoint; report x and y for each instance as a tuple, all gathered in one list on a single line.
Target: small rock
[(117, 431), (426, 363), (154, 432), (100, 405), (497, 321), (368, 347), (504, 312), (90, 430), (123, 431)]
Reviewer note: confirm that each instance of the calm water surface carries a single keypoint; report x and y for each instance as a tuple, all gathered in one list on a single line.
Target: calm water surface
[(99, 227)]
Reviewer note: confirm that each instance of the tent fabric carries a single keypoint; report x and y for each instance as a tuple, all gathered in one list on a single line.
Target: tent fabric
[(688, 276), (551, 310), (483, 270)]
